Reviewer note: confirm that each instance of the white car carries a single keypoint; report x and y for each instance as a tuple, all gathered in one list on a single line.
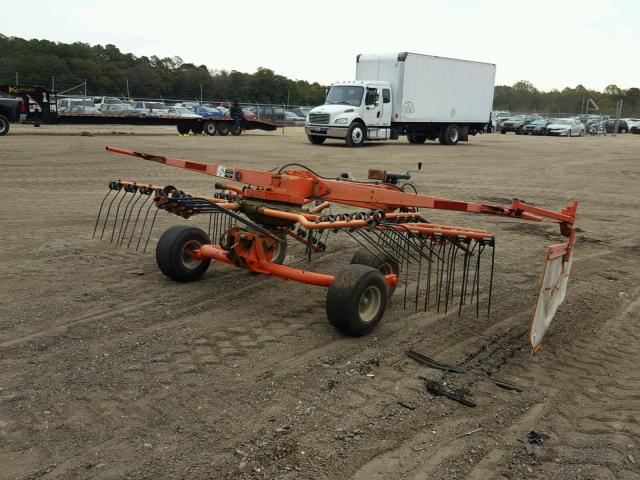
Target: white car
[(150, 109), (566, 127), (182, 112), (632, 122)]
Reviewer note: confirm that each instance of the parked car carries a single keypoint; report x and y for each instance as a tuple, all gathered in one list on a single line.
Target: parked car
[(568, 127), (249, 115), (269, 114), (66, 104), (83, 109), (12, 109), (151, 109), (182, 112), (101, 102), (209, 112), (610, 126), (120, 110), (632, 122), (515, 123), (292, 118), (536, 127), (635, 129)]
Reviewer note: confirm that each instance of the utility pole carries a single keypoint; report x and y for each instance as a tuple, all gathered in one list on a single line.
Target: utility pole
[(128, 97), (17, 79), (201, 93), (85, 87), (53, 83)]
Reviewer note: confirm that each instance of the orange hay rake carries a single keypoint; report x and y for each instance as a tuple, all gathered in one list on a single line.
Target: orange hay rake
[(251, 225)]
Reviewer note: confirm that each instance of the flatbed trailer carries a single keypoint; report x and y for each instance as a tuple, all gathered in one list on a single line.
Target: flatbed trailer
[(42, 110)]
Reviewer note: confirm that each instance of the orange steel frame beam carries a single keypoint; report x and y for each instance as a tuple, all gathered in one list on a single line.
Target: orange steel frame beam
[(300, 187)]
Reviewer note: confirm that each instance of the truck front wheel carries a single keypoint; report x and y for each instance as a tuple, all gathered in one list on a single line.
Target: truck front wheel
[(416, 138), (316, 139), (356, 135), (4, 125), (450, 134)]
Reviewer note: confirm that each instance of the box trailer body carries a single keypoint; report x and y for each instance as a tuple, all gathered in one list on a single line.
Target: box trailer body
[(420, 96)]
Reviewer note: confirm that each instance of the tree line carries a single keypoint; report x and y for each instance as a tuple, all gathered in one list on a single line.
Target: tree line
[(108, 71)]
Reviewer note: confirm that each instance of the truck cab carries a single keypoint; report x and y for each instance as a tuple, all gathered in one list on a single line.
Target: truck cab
[(353, 111)]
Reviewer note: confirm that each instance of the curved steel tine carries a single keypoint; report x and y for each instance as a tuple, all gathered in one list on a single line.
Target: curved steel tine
[(135, 223), (115, 222), (128, 217), (106, 217), (100, 212)]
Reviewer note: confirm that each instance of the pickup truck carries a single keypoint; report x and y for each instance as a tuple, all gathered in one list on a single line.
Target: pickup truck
[(11, 108)]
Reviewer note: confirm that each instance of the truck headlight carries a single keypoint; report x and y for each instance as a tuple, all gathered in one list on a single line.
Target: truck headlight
[(342, 121)]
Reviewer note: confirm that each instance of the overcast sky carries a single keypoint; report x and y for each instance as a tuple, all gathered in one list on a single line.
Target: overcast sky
[(553, 44)]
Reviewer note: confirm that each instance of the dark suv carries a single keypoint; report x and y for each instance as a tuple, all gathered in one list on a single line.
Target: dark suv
[(610, 126), (515, 123)]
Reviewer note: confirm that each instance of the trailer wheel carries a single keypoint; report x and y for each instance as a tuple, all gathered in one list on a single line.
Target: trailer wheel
[(416, 138), (382, 262), (450, 134), (173, 253), (183, 128), (316, 139), (236, 129), (197, 128), (356, 134), (223, 128), (503, 132), (356, 300), (4, 125), (209, 127)]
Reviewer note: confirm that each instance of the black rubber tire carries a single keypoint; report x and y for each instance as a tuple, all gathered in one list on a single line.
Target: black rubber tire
[(171, 251), (223, 128), (356, 135), (450, 134), (416, 138), (316, 139), (4, 125), (236, 129), (183, 129), (383, 263), (210, 128), (197, 128), (344, 300), (503, 132), (623, 130)]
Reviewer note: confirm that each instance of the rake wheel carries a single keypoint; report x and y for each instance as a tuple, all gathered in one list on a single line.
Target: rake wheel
[(382, 262), (173, 253), (356, 300)]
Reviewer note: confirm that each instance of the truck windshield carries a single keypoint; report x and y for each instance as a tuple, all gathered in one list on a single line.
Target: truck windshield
[(345, 95)]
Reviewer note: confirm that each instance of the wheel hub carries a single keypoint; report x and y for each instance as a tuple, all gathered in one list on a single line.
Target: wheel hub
[(369, 303), (188, 260)]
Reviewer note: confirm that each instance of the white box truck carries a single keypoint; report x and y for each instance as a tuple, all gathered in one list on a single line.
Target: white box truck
[(421, 96)]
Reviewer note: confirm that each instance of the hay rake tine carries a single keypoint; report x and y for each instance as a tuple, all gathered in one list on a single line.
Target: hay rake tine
[(128, 217), (115, 221), (493, 256), (100, 212), (106, 217), (135, 223), (144, 223), (153, 221)]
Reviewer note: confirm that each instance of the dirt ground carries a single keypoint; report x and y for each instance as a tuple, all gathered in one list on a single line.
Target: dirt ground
[(110, 370)]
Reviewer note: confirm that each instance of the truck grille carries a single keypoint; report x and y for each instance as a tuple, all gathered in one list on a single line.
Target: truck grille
[(319, 118)]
